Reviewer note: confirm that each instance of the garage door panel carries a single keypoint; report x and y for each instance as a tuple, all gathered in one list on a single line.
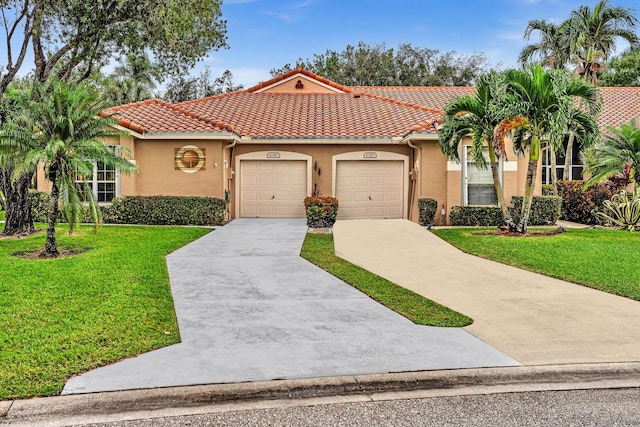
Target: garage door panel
[(370, 189), (273, 188)]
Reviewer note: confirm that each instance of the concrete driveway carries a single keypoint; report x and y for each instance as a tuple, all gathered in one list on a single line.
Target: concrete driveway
[(249, 308), (533, 318)]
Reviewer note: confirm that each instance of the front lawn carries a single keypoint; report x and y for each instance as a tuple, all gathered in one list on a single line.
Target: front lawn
[(318, 249), (61, 317), (602, 259)]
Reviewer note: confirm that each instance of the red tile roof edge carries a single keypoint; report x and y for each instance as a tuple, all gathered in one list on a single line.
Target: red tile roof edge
[(175, 107), (299, 70)]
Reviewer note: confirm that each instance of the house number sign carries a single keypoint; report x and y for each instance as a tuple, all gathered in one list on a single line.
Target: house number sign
[(273, 155), (370, 155)]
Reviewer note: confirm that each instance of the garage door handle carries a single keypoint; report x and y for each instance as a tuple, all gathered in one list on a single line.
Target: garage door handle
[(370, 198), (273, 197)]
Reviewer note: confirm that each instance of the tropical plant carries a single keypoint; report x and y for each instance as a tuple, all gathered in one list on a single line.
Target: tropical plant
[(618, 152), (553, 50), (593, 34), (64, 133), (545, 109), (623, 210), (477, 116)]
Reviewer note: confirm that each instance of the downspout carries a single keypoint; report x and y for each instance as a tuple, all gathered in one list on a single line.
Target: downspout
[(415, 181), (228, 163)]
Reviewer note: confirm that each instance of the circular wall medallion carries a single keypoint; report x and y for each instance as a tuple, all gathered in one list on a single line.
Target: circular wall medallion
[(190, 158)]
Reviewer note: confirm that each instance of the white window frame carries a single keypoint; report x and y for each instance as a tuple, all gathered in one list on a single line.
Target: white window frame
[(465, 175), (94, 178)]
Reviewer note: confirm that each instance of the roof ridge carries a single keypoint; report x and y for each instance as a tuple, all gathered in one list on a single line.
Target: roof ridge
[(207, 98), (299, 70)]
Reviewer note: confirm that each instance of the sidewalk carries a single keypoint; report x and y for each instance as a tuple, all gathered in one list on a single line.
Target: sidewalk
[(535, 319)]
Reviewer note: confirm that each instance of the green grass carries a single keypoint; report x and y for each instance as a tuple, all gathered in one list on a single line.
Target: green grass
[(2, 215), (602, 259), (318, 249), (64, 316)]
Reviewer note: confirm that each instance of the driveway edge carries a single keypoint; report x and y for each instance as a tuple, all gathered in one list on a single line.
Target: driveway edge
[(136, 404)]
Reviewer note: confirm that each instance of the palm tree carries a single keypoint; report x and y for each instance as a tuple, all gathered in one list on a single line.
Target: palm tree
[(593, 34), (475, 116), (545, 105), (64, 133), (552, 51), (618, 152)]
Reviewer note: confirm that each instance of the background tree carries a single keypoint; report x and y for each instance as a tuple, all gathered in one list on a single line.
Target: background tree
[(623, 70), (133, 80), (593, 34), (188, 88), (618, 152), (72, 39), (477, 116), (62, 131), (407, 65), (545, 109)]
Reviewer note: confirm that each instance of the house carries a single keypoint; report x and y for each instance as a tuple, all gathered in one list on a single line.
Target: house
[(266, 148)]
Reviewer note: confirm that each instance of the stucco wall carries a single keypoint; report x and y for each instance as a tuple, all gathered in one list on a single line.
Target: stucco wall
[(159, 176)]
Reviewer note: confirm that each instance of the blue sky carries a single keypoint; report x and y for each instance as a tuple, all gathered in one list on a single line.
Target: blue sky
[(266, 34)]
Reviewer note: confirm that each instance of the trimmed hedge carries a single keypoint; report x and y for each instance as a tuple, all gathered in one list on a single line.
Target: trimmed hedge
[(545, 210), (147, 210), (40, 202), (475, 216), (427, 208), (165, 210)]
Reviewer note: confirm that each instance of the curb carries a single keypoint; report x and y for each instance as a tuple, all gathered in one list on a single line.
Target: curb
[(150, 403)]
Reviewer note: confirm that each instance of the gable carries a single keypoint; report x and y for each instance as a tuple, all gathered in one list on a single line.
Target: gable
[(299, 83)]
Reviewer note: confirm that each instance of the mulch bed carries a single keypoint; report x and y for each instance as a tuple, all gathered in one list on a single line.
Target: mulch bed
[(530, 233), (37, 254)]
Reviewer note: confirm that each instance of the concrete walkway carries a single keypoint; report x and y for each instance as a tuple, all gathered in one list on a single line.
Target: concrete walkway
[(250, 309), (532, 318)]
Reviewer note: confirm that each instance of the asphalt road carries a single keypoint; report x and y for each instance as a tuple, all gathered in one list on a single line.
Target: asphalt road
[(608, 407)]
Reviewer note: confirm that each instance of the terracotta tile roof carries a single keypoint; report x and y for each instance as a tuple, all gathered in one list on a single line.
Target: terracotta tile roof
[(155, 115), (360, 112), (435, 97), (286, 115), (620, 104), (302, 71)]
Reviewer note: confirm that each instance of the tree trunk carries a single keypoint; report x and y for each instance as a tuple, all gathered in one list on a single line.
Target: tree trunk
[(18, 220), (51, 246), (554, 175), (532, 169), (506, 215), (567, 158)]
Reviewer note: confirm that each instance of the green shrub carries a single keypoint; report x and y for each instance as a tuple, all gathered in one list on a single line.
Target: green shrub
[(545, 210), (623, 210), (321, 211), (476, 216), (165, 210), (580, 204), (547, 189), (427, 208), (40, 205)]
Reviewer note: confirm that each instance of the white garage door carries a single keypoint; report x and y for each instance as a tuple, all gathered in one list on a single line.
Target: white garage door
[(273, 188), (370, 189)]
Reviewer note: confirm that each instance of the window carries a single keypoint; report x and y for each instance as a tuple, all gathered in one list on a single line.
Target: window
[(477, 183), (104, 182), (575, 171)]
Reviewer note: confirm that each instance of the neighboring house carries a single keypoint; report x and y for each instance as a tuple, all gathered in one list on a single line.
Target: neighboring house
[(268, 147)]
